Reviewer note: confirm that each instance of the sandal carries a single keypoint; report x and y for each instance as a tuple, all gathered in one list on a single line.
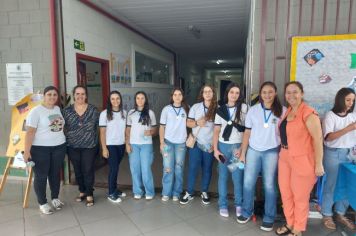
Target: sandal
[(283, 230), (295, 234), (80, 198), (89, 202), (329, 222)]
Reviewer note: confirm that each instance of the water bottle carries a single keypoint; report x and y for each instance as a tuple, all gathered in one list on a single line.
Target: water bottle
[(204, 147), (29, 164), (235, 164), (146, 138), (165, 150)]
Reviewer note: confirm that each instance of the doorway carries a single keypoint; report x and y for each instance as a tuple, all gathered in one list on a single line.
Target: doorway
[(93, 73)]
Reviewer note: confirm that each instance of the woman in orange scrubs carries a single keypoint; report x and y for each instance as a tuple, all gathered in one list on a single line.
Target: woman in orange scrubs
[(300, 159)]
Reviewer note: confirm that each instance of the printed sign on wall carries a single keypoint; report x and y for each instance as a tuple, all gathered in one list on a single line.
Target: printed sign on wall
[(19, 81)]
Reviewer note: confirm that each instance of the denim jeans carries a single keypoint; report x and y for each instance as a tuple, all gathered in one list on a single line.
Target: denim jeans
[(265, 162), (173, 168), (333, 157), (199, 159), (116, 153), (141, 158), (237, 176)]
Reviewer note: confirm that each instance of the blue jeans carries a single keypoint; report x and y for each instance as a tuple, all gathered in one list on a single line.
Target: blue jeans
[(333, 157), (265, 162), (173, 167), (199, 159), (116, 153), (237, 176), (141, 158)]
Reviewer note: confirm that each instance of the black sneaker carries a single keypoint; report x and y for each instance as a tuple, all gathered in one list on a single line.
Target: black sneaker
[(186, 198), (205, 199), (266, 226), (120, 193), (243, 220)]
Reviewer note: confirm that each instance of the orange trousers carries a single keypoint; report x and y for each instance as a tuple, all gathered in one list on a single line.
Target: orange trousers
[(296, 178)]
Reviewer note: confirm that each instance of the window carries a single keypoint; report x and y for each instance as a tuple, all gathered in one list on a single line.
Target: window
[(152, 70)]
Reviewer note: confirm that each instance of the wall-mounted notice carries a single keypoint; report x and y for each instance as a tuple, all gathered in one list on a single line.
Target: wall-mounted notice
[(19, 81), (324, 64)]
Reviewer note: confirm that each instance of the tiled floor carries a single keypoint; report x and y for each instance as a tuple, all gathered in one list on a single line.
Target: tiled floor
[(131, 217)]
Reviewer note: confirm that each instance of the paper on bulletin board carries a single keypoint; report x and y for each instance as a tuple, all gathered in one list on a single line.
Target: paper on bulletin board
[(19, 81), (323, 64), (18, 121)]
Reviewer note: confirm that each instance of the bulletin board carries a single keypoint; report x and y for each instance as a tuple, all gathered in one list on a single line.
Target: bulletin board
[(323, 64)]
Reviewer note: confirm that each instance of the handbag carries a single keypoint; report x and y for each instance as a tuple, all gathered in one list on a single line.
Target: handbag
[(191, 139)]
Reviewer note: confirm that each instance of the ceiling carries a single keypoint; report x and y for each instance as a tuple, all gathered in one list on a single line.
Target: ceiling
[(223, 25)]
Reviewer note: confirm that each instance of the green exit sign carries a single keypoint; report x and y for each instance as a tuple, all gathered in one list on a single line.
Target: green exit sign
[(79, 45)]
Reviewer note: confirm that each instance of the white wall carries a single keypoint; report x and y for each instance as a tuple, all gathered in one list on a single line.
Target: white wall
[(103, 36)]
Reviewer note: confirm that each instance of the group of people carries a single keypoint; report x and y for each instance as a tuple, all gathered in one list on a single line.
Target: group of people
[(266, 138)]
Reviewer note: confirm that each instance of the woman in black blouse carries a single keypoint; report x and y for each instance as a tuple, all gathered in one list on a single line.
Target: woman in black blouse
[(81, 126)]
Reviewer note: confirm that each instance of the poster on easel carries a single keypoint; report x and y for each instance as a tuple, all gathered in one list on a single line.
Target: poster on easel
[(324, 65), (18, 121)]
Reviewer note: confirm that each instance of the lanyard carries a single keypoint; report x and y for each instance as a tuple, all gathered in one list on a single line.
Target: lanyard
[(230, 115), (266, 118), (175, 111)]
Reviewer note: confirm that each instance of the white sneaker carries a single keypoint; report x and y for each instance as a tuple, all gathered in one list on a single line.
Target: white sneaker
[(136, 196), (224, 212), (238, 211), (46, 209), (175, 199), (165, 198), (57, 204), (150, 197)]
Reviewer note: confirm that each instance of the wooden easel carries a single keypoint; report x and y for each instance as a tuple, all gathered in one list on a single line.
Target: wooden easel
[(29, 180)]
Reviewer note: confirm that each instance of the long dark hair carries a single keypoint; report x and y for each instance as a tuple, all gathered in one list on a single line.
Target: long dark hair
[(109, 111), (276, 107), (145, 113), (238, 103), (184, 104), (210, 115), (339, 105)]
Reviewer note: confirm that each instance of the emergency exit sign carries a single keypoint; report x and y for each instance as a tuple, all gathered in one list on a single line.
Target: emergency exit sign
[(79, 45)]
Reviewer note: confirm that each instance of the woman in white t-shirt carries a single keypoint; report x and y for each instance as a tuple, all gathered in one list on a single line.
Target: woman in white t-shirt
[(140, 127), (201, 121), (112, 123), (228, 131), (173, 133), (45, 146), (261, 142), (339, 129)]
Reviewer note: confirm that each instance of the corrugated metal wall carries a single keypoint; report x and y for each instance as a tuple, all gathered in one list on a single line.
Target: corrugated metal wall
[(275, 22)]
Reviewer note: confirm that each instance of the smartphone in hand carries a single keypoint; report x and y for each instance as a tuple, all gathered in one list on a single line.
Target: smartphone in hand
[(222, 158)]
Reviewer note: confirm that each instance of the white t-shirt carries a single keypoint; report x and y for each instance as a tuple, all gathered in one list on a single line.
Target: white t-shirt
[(261, 138), (49, 125), (333, 123), (115, 128), (205, 135), (236, 136), (137, 129), (174, 119)]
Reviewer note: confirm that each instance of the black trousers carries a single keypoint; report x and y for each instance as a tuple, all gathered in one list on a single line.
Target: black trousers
[(48, 163), (83, 160)]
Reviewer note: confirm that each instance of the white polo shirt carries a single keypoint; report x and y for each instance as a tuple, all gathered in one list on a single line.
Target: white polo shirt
[(261, 138), (236, 136), (137, 129), (115, 128), (205, 135), (174, 119), (332, 123)]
